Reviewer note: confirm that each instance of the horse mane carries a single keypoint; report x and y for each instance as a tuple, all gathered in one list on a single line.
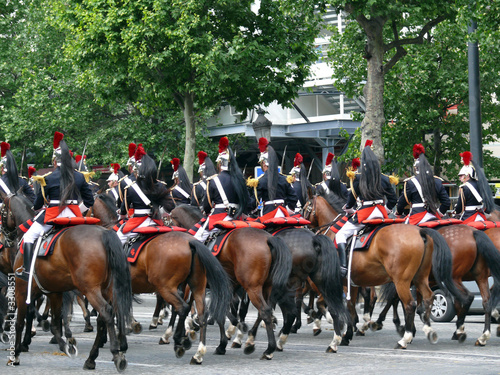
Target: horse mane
[(192, 211), (185, 215), (108, 201), (24, 212), (335, 201)]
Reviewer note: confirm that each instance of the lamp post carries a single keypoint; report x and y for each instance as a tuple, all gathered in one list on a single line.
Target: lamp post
[(262, 126)]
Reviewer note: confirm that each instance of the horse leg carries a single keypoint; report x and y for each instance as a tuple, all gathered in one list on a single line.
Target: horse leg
[(425, 294), (485, 294), (337, 335), (98, 342), (233, 310), (86, 313), (409, 307), (351, 307), (367, 298), (56, 306), (288, 308), (299, 298), (198, 295), (165, 339), (20, 293), (156, 314), (30, 316)]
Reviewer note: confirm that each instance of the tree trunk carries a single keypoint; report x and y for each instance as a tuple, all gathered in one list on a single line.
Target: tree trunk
[(189, 119), (371, 126)]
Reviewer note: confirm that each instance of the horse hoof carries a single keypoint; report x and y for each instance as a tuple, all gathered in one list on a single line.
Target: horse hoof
[(179, 351), (120, 362), (136, 327), (192, 335), (374, 326), (330, 350), (316, 331), (186, 343), (220, 351), (210, 321), (267, 356), (249, 349), (401, 331), (152, 327), (360, 333), (53, 340), (14, 362), (89, 365), (194, 361), (4, 338), (498, 331), (279, 348), (433, 337), (398, 346), (309, 320), (236, 345), (461, 338), (45, 325), (33, 333), (478, 343), (164, 342), (88, 328), (23, 348), (344, 342)]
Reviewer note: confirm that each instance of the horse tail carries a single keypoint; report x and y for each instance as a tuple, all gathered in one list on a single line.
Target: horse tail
[(388, 292), (490, 253), (120, 273), (329, 273), (442, 267), (218, 280), (281, 267)]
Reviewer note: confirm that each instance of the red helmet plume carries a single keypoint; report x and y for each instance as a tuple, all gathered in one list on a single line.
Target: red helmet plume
[(57, 139), (139, 152), (466, 157), (329, 158), (355, 163), (263, 143), (201, 157), (31, 171), (418, 149), (116, 167), (368, 143), (175, 163), (131, 149), (297, 160), (223, 144), (4, 147), (78, 158)]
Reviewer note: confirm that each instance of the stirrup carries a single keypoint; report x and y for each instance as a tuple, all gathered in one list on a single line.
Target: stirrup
[(343, 271), (22, 273)]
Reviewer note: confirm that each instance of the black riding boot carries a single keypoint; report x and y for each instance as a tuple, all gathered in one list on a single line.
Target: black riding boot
[(342, 258), (24, 271)]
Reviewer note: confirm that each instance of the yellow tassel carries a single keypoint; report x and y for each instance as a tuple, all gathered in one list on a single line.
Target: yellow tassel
[(289, 179), (88, 175), (350, 173), (40, 180), (252, 182), (394, 179)]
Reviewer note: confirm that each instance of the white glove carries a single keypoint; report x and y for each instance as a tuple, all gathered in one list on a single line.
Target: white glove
[(82, 208)]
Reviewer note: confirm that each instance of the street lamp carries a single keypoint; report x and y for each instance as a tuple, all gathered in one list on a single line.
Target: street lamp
[(262, 126)]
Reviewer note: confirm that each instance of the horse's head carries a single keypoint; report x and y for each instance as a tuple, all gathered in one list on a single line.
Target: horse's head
[(16, 210), (104, 208), (185, 216)]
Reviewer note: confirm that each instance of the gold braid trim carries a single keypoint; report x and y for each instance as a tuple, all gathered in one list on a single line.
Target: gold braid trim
[(252, 182), (88, 175), (394, 179), (40, 180), (350, 173), (289, 179)]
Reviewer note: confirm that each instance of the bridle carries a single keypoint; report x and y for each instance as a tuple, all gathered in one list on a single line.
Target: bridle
[(310, 210), (10, 235)]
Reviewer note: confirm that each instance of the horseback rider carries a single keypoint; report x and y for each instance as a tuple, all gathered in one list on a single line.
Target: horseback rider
[(272, 187), (61, 190), (126, 181), (81, 166), (424, 192), (475, 200), (144, 196), (370, 186), (331, 180), (181, 191), (10, 182), (205, 170), (227, 197), (298, 181), (113, 183)]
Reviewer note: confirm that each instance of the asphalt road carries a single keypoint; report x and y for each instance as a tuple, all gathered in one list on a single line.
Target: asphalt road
[(303, 354)]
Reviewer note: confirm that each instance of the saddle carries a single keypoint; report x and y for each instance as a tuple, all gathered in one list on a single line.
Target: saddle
[(135, 244), (440, 223), (483, 225), (48, 241)]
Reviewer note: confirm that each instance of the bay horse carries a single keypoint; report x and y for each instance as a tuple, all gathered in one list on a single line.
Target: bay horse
[(261, 264), (401, 253), (171, 261), (85, 257)]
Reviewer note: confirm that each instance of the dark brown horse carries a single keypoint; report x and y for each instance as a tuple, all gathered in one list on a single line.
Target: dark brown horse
[(88, 258), (172, 260), (403, 254), (261, 264)]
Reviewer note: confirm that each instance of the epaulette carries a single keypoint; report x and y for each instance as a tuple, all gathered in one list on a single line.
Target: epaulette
[(393, 179), (350, 174), (408, 179), (438, 178), (211, 177), (41, 179), (289, 179), (87, 175), (123, 178), (162, 182), (253, 182)]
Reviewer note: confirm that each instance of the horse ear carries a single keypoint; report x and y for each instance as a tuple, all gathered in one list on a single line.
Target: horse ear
[(310, 192)]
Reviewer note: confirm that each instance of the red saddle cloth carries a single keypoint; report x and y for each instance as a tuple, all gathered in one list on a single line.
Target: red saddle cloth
[(235, 224), (440, 223), (47, 245), (483, 225), (286, 221), (137, 246), (383, 220), (73, 221)]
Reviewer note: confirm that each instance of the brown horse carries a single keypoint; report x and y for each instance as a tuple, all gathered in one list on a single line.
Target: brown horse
[(403, 254), (261, 264), (88, 258), (171, 260)]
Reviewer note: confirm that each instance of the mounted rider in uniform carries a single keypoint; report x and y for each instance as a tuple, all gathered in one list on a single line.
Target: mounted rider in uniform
[(144, 196), (331, 180), (424, 192), (181, 191), (126, 181), (10, 182), (370, 186), (61, 190), (272, 187), (113, 183), (475, 199), (299, 182), (205, 170), (227, 196)]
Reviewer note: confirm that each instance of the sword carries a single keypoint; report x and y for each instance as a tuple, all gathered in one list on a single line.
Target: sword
[(355, 235), (83, 155), (22, 162), (310, 168), (283, 159), (161, 160)]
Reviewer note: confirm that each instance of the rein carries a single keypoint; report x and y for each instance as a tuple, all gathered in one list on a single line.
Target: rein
[(10, 235), (310, 209)]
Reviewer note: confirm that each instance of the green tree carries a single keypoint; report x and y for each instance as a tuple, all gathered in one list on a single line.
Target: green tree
[(193, 53)]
